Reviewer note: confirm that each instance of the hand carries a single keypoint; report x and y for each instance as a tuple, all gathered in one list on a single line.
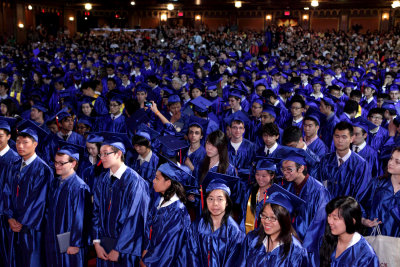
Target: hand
[(189, 163), (72, 250), (113, 255), (370, 223), (14, 225), (141, 263), (101, 253), (153, 107)]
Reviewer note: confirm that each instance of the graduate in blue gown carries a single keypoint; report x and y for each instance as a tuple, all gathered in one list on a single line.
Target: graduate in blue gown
[(343, 224), (382, 204), (196, 152), (168, 220), (91, 174), (309, 222), (215, 238), (115, 121), (7, 157), (379, 135), (121, 201), (274, 243), (327, 108), (25, 193), (270, 136), (344, 172), (311, 127), (67, 198), (256, 195)]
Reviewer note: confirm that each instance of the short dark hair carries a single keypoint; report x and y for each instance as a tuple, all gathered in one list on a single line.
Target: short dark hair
[(270, 129), (25, 135), (70, 159), (291, 134), (350, 106), (140, 141), (307, 118), (344, 125), (378, 111), (326, 103), (355, 93), (298, 99)]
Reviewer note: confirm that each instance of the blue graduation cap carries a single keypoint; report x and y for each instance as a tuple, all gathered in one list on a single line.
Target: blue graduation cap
[(315, 115), (363, 123), (266, 164), (389, 105), (117, 140), (62, 114), (394, 87), (317, 81), (118, 98), (86, 121), (5, 126), (329, 101), (40, 106), (144, 129), (7, 123), (270, 110), (287, 87), (94, 138), (202, 123), (261, 82), (237, 116), (30, 128), (235, 92), (294, 154), (137, 118), (173, 142), (74, 151), (174, 99), (176, 173), (201, 104), (214, 181), (280, 196)]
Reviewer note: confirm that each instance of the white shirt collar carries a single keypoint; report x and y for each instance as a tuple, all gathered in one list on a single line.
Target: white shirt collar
[(116, 117), (30, 160), (272, 149), (265, 243), (320, 95), (370, 99), (347, 115), (356, 237), (173, 199), (120, 171), (60, 134), (360, 147), (375, 130), (4, 151), (92, 159), (346, 157), (147, 158), (299, 120)]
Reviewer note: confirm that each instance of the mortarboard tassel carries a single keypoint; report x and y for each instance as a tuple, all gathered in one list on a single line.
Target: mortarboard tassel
[(202, 197)]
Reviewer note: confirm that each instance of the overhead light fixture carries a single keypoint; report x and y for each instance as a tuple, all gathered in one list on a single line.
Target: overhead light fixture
[(306, 8), (71, 18), (197, 2), (198, 17), (163, 17), (314, 3), (30, 7), (268, 17), (85, 18), (170, 7), (133, 3), (396, 4), (20, 25), (238, 4), (88, 6), (305, 17), (385, 16)]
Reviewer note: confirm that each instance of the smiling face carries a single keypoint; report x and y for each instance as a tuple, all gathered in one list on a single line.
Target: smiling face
[(270, 222), (336, 223), (160, 184), (263, 178), (394, 163)]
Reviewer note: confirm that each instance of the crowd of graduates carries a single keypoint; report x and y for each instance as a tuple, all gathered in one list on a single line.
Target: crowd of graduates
[(184, 148)]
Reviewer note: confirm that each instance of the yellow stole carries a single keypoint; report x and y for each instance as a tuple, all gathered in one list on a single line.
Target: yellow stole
[(250, 217), (16, 96)]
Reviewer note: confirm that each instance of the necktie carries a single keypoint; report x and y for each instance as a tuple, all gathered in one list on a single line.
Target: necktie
[(267, 152), (340, 162), (113, 179), (112, 117), (356, 150), (23, 165), (65, 137)]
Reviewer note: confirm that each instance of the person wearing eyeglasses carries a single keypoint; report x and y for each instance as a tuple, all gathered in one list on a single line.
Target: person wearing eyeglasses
[(121, 201), (115, 121), (297, 108), (378, 136), (65, 214), (275, 242), (309, 222)]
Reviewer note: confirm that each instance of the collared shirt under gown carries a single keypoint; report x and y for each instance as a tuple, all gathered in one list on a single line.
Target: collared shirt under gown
[(66, 213)]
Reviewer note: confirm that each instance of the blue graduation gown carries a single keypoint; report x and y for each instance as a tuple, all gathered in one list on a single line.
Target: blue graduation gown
[(377, 140), (243, 205), (90, 177), (120, 212), (148, 169), (8, 158), (351, 179), (371, 156), (196, 157), (318, 147), (107, 124), (168, 227), (66, 213), (214, 249), (251, 255), (383, 204), (52, 145), (366, 107), (360, 254), (326, 131), (310, 219), (25, 200)]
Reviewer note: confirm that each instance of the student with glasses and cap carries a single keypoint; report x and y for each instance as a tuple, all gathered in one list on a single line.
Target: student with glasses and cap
[(275, 242), (256, 194), (121, 200), (25, 192), (309, 222), (65, 216), (168, 220), (215, 238)]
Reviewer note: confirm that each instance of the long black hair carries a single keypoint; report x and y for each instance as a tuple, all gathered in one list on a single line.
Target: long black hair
[(217, 139), (286, 232), (228, 210), (175, 188), (350, 211), (254, 191)]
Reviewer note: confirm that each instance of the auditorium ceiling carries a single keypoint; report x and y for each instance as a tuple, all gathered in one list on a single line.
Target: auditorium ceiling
[(217, 4)]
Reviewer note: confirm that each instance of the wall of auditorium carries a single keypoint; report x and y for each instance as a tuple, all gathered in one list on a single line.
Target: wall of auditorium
[(70, 19)]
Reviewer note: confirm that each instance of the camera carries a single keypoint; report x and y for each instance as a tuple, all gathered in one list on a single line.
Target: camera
[(147, 104)]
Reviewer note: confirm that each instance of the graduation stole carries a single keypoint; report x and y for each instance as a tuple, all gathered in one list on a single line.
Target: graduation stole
[(251, 221), (16, 95)]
